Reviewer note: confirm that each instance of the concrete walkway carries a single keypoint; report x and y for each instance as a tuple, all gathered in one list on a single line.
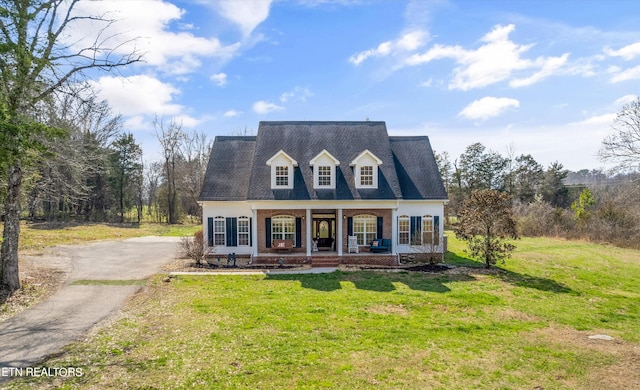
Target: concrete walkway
[(29, 337), (318, 270)]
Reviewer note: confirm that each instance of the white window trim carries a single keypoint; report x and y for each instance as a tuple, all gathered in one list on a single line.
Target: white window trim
[(220, 231), (280, 220), (357, 164), (364, 224), (316, 164), (282, 176), (332, 179), (247, 233), (425, 219), (373, 176), (291, 164), (408, 231)]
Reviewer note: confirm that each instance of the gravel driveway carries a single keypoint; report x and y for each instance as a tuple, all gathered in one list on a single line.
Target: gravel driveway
[(46, 328)]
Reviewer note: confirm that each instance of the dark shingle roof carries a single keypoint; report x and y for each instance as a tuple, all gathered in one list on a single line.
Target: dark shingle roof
[(305, 140), (237, 168), (229, 169), (417, 169)]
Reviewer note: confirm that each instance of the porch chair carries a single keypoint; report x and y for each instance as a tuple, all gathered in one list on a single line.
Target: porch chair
[(353, 245)]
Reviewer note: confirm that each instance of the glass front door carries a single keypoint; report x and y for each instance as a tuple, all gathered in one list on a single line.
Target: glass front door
[(324, 228)]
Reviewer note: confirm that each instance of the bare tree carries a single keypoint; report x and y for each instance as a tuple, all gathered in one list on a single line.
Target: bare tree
[(623, 145), (76, 174), (170, 136), (153, 171), (195, 152), (486, 224), (35, 65)]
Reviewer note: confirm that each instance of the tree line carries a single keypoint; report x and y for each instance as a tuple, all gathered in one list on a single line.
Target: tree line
[(553, 201), (63, 154), (97, 172)]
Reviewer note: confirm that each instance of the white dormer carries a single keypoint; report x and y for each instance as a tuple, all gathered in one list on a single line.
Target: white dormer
[(282, 166), (324, 170), (365, 169)]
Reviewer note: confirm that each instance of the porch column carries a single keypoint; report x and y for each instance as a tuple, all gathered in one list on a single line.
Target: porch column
[(308, 240), (339, 235), (254, 232), (394, 231)]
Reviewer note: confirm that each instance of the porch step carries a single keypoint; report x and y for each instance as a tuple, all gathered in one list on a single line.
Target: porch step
[(325, 261)]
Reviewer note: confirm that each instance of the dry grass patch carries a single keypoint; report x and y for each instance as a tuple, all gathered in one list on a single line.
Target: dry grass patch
[(389, 309), (620, 366), (510, 314)]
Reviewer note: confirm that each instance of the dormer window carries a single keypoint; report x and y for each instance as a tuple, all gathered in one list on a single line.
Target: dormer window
[(324, 170), (365, 169), (366, 176), (282, 166), (324, 176), (282, 175)]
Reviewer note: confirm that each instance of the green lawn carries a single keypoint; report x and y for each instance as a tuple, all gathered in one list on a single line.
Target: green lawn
[(36, 236), (525, 327)]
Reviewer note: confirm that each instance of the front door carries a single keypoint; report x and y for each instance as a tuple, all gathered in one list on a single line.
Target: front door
[(324, 232)]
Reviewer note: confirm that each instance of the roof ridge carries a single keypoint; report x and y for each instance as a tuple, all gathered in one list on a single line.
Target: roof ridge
[(319, 122), (235, 137)]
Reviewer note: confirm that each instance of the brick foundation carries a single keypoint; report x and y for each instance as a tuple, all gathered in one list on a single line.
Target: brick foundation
[(361, 259)]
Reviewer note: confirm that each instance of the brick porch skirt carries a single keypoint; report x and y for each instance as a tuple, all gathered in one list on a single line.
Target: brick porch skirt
[(328, 260)]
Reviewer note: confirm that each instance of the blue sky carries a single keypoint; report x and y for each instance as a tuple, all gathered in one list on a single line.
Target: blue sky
[(544, 78)]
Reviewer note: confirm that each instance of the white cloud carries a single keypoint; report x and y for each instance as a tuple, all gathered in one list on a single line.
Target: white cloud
[(427, 83), (231, 113), (264, 107), (408, 42), (138, 122), (297, 93), (496, 60), (625, 100), (626, 75), (144, 27), (548, 66), (628, 52), (604, 120), (220, 79), (246, 14), (188, 121), (488, 107), (411, 41), (138, 95)]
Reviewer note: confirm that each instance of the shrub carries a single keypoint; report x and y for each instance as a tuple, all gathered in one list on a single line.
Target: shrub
[(193, 246)]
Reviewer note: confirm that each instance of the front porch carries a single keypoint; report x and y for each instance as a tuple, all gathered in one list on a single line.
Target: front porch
[(305, 233), (328, 234)]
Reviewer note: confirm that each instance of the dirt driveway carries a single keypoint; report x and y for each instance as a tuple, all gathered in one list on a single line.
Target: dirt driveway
[(46, 328)]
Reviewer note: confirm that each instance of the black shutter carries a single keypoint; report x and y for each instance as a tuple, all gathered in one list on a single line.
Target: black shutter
[(416, 231), (210, 231), (298, 232), (267, 231), (250, 231), (232, 231), (379, 228), (436, 230), (349, 226)]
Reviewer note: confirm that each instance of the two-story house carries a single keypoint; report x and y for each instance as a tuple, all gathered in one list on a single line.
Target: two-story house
[(300, 192)]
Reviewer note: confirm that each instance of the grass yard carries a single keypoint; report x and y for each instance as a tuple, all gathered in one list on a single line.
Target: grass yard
[(524, 327), (36, 236)]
